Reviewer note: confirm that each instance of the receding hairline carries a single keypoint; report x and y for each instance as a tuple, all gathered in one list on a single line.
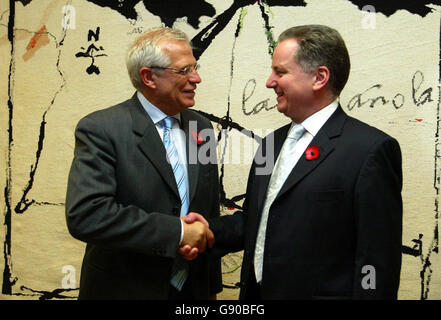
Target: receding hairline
[(159, 36), (156, 34)]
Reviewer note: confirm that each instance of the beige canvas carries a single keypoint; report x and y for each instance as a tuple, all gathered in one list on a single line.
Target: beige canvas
[(65, 59)]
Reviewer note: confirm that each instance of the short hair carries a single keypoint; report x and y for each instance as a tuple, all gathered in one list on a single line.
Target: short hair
[(321, 45), (145, 51)]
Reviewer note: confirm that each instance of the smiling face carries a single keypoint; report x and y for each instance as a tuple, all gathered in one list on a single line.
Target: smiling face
[(293, 86), (174, 92)]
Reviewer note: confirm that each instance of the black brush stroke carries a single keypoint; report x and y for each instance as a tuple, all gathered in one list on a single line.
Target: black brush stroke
[(45, 203), (7, 272), (168, 11), (48, 295), (389, 7), (286, 3), (203, 39), (268, 27), (175, 9), (24, 203), (24, 2), (224, 123), (8, 280), (127, 10), (426, 272), (223, 197), (227, 286)]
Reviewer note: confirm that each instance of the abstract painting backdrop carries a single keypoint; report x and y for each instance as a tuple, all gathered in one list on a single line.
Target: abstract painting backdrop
[(61, 60)]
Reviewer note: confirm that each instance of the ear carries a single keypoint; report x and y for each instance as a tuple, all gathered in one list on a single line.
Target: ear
[(147, 77), (322, 75)]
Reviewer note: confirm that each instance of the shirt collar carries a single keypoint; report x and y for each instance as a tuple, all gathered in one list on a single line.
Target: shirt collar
[(314, 122), (154, 112)]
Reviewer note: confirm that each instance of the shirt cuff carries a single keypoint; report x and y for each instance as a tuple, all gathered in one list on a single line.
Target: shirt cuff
[(182, 232)]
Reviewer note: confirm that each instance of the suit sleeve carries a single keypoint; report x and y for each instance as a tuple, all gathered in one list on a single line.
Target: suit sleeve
[(229, 230), (94, 216), (378, 215)]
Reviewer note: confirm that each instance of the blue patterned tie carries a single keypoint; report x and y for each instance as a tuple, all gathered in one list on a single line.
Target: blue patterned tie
[(178, 168), (180, 267)]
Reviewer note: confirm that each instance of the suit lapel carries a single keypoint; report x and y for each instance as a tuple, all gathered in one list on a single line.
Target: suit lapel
[(191, 147), (304, 166), (150, 142), (325, 142)]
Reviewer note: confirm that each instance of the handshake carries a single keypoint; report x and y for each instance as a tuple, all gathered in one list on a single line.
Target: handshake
[(197, 235)]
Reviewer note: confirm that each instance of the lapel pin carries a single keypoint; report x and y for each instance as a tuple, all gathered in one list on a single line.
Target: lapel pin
[(312, 153), (197, 137)]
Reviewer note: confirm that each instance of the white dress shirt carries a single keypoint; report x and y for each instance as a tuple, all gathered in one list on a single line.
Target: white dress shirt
[(312, 125), (178, 136)]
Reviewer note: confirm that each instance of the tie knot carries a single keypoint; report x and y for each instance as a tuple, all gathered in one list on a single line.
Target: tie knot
[(296, 132), (168, 122)]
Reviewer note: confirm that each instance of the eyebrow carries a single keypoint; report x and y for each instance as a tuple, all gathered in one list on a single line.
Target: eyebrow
[(278, 68), (187, 65)]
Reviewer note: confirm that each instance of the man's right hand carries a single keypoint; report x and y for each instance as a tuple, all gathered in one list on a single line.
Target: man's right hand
[(197, 235)]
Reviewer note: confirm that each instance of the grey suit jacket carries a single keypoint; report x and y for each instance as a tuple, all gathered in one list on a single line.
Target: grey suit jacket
[(122, 200)]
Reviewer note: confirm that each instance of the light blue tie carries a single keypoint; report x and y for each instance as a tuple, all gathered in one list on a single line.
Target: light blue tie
[(180, 267)]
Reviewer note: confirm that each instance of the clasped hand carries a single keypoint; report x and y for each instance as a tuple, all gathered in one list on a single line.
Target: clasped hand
[(197, 235)]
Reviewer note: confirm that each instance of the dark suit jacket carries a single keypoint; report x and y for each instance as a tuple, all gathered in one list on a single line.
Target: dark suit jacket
[(122, 200), (334, 215)]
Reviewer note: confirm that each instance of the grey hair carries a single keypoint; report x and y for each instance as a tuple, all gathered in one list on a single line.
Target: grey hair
[(145, 51)]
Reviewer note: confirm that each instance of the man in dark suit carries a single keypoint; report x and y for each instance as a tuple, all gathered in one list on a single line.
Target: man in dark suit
[(136, 173), (326, 223)]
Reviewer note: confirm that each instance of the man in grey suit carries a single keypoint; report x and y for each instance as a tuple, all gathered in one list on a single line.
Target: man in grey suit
[(136, 173)]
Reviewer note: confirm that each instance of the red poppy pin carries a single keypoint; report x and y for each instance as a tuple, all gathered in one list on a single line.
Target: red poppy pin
[(312, 153), (197, 137)]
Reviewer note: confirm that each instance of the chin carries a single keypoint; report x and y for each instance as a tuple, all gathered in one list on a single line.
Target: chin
[(188, 102), (186, 106), (281, 108)]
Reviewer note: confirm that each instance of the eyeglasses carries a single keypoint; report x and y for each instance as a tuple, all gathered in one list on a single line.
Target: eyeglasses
[(185, 71)]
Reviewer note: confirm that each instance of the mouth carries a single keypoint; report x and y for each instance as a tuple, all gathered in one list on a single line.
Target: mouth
[(190, 91), (279, 95)]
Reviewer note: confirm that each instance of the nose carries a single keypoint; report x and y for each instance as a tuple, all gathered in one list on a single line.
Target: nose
[(195, 77), (271, 82)]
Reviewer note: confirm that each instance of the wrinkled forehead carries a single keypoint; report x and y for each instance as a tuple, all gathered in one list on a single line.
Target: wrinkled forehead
[(284, 53), (179, 52)]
